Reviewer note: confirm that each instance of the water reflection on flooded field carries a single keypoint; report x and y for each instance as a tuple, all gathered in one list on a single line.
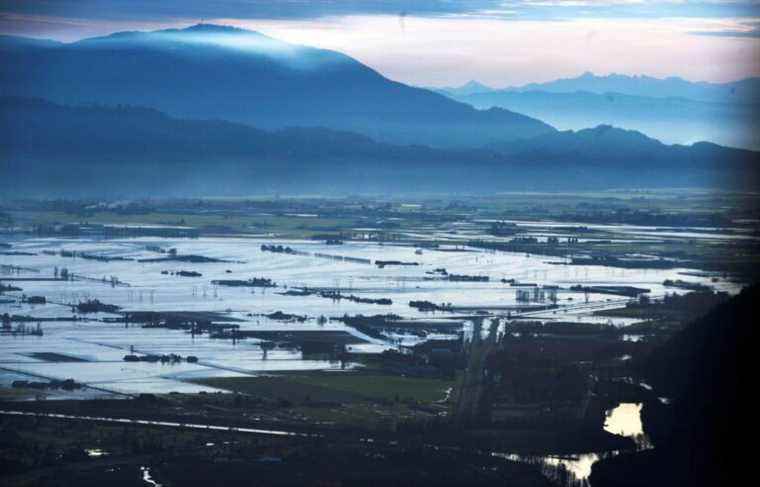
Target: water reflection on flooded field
[(141, 285), (625, 420)]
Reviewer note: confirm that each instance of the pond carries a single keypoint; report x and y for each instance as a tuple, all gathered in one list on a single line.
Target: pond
[(624, 420)]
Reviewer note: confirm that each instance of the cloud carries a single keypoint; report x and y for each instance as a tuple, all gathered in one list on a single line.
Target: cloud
[(120, 10), (243, 9), (742, 29), (447, 51), (67, 28), (72, 19)]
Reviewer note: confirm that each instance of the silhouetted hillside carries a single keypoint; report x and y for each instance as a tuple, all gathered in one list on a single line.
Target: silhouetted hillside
[(208, 71), (605, 148), (62, 150)]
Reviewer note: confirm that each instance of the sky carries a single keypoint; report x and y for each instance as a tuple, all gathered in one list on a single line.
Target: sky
[(447, 42)]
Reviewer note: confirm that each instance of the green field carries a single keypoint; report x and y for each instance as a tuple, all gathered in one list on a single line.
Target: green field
[(335, 387), (285, 224)]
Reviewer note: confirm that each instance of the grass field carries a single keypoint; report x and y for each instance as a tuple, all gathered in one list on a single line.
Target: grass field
[(335, 387), (289, 225)]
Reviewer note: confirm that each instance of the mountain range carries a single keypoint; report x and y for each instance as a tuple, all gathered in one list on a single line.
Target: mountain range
[(217, 110), (742, 91), (672, 109), (58, 150), (472, 87), (216, 72)]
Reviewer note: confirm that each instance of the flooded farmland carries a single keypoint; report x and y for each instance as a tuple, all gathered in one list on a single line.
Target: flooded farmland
[(145, 275), (520, 341)]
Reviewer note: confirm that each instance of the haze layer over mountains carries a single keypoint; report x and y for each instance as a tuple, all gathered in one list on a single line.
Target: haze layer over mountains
[(218, 110), (673, 110)]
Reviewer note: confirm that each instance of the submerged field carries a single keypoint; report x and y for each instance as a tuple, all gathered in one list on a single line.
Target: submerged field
[(136, 275)]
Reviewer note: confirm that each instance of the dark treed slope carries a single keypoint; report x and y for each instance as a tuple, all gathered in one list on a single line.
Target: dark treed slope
[(208, 71), (707, 370), (49, 149), (648, 162), (607, 146)]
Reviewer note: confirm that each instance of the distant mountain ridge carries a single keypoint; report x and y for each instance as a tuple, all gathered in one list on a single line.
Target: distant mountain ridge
[(674, 120), (741, 91), (54, 150), (470, 88), (217, 72), (672, 109)]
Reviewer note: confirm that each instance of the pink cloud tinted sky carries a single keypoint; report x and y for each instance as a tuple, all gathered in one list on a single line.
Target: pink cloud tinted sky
[(452, 48)]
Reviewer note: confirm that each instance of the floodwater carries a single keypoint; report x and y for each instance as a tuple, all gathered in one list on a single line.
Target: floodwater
[(147, 478), (623, 420), (151, 286)]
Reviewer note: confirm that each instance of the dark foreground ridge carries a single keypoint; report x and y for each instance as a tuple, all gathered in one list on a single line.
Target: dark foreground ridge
[(704, 368)]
